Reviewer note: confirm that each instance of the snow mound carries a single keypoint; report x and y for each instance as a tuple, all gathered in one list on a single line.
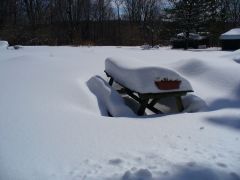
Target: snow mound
[(235, 55), (215, 77), (192, 67), (194, 103), (139, 77), (109, 97), (210, 74), (4, 44)]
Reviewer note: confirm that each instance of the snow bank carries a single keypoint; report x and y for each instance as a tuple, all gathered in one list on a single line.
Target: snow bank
[(216, 79), (4, 44), (232, 34), (194, 104), (140, 77), (110, 98), (235, 55)]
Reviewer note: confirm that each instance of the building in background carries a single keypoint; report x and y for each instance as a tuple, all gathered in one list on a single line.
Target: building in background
[(230, 40)]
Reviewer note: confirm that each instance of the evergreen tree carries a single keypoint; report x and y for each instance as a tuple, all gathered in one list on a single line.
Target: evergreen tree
[(189, 16)]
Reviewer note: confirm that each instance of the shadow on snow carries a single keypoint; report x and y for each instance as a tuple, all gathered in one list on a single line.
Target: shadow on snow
[(183, 173)]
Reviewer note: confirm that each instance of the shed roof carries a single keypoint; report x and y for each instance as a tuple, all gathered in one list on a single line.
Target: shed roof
[(232, 34)]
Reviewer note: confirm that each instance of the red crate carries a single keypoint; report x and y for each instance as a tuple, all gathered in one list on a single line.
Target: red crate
[(168, 84)]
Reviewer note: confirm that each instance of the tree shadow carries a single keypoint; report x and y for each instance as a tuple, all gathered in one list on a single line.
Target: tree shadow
[(226, 103), (226, 121), (229, 122), (237, 60), (202, 173), (191, 171)]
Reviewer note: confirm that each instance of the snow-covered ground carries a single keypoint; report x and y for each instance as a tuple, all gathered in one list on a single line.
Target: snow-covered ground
[(53, 127)]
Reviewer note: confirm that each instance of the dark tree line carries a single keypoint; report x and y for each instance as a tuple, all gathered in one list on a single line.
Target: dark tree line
[(214, 16), (113, 22)]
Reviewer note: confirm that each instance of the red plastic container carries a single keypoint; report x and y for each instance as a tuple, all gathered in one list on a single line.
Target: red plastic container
[(168, 84)]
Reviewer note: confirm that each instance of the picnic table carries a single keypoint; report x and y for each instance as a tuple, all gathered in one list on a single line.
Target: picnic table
[(138, 83)]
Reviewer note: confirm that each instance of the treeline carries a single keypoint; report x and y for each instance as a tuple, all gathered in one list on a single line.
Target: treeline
[(113, 22)]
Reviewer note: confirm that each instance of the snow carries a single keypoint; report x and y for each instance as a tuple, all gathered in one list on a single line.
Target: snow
[(52, 126), (231, 34), (109, 98), (194, 103), (140, 77), (191, 36), (4, 44)]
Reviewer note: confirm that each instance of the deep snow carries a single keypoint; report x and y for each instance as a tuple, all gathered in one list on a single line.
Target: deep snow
[(109, 98), (52, 127)]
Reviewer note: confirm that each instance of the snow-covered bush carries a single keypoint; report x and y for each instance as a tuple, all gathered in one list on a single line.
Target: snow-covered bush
[(4, 44), (15, 47), (146, 47)]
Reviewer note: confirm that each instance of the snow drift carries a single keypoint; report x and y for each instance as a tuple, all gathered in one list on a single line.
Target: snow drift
[(140, 77), (51, 127), (109, 98)]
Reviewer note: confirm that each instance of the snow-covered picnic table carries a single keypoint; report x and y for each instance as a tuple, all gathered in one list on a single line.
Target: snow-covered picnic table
[(138, 80)]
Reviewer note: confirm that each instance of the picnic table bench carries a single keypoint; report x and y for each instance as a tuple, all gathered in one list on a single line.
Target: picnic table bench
[(144, 98)]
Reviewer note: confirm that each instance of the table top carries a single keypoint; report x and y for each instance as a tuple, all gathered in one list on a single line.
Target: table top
[(142, 79)]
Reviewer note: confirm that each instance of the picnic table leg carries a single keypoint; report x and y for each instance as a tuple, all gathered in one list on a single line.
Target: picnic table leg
[(153, 102), (179, 103), (110, 81), (143, 106), (152, 108), (109, 114)]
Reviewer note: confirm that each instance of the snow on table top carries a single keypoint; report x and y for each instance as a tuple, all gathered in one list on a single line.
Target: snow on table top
[(141, 77), (232, 34)]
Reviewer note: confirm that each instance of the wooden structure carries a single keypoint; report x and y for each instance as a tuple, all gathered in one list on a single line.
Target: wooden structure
[(231, 40), (148, 100)]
